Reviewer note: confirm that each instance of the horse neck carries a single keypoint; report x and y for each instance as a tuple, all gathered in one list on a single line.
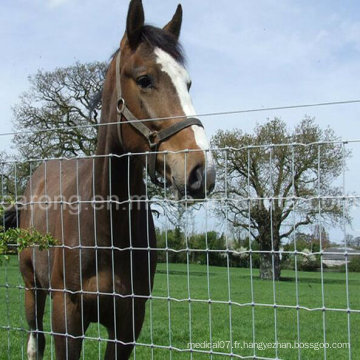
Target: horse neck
[(125, 171)]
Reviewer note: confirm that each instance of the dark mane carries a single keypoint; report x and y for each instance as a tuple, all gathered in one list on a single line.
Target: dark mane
[(154, 37)]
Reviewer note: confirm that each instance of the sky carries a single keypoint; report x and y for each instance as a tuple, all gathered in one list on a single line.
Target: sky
[(240, 54)]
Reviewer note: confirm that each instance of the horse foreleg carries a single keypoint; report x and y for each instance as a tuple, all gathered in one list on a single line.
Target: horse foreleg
[(34, 310), (128, 324), (68, 326)]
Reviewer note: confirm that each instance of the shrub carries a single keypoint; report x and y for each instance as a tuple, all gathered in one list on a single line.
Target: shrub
[(310, 265), (308, 262), (13, 240), (354, 264)]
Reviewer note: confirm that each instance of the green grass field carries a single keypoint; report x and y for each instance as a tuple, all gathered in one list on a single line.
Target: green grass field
[(193, 321)]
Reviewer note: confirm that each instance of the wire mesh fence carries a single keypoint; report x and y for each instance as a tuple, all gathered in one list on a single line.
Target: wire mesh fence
[(217, 292)]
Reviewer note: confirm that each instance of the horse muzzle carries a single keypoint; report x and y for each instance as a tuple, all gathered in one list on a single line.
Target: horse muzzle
[(199, 184)]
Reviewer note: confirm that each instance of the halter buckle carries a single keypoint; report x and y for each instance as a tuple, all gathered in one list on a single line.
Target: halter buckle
[(120, 106), (152, 137)]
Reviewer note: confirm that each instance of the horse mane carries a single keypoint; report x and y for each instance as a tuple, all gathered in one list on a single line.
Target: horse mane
[(154, 37)]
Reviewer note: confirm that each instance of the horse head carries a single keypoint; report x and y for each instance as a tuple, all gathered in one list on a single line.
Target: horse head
[(154, 105)]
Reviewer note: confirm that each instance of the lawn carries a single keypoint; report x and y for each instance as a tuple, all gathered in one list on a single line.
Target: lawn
[(229, 326)]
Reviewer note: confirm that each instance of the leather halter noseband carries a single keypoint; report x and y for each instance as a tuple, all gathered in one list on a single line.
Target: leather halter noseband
[(154, 138)]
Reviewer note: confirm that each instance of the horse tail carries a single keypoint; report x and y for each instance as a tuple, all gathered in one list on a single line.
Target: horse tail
[(11, 217)]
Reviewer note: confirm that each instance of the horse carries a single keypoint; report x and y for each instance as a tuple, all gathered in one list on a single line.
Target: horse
[(102, 269)]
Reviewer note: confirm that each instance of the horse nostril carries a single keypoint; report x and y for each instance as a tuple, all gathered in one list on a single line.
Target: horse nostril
[(211, 188), (196, 177), (210, 179)]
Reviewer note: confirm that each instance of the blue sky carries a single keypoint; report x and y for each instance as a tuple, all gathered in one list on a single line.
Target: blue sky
[(241, 54)]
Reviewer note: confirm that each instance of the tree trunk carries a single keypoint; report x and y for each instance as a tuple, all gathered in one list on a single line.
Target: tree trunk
[(267, 268), (269, 263)]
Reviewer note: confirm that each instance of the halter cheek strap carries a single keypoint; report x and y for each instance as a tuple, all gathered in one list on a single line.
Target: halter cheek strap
[(154, 138)]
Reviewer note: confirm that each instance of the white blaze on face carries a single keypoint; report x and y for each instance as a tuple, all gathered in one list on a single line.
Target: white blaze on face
[(180, 79)]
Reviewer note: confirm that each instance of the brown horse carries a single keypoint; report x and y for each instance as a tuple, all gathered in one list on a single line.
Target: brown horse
[(103, 268)]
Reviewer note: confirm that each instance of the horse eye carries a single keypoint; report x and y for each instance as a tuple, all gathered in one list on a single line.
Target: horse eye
[(144, 82)]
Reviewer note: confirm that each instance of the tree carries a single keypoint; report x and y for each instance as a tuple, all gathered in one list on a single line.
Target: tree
[(13, 176), (354, 242), (271, 180), (320, 236), (61, 99)]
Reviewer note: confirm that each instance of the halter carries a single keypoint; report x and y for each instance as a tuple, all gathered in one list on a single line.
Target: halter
[(154, 138)]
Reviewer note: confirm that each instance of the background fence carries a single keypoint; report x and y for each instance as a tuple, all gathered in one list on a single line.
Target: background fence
[(208, 299)]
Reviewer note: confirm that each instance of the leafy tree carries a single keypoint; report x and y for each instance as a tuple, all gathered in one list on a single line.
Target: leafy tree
[(271, 180), (354, 264), (61, 99), (173, 239), (210, 240)]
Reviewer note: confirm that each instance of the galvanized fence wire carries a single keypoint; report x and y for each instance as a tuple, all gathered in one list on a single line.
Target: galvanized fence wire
[(220, 113), (219, 301)]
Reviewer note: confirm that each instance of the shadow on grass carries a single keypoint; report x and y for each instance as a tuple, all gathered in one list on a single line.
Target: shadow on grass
[(312, 280), (182, 273)]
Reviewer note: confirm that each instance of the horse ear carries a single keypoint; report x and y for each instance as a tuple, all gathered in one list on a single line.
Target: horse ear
[(135, 22), (174, 26)]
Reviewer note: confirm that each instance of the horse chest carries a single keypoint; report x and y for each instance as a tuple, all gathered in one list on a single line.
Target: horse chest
[(103, 283)]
